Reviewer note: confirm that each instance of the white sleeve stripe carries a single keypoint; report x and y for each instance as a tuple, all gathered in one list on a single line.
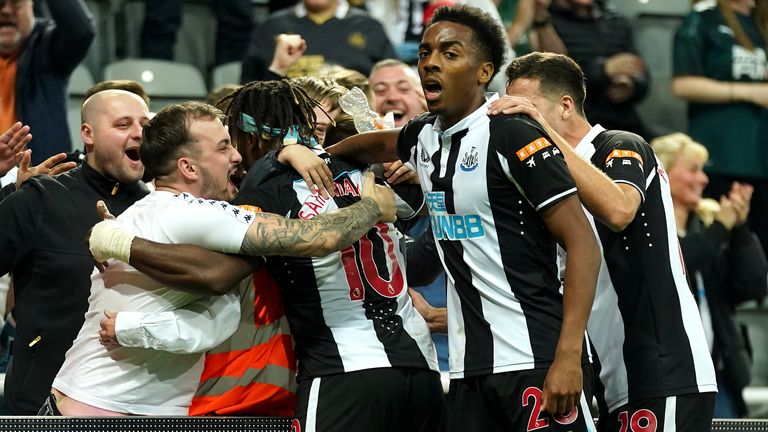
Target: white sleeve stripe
[(642, 192), (556, 197), (650, 178)]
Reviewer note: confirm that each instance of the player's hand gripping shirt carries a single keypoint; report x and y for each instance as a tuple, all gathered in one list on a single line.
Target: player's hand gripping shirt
[(349, 310)]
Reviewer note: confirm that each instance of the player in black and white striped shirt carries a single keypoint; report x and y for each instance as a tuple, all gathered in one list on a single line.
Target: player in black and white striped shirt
[(500, 196), (656, 369)]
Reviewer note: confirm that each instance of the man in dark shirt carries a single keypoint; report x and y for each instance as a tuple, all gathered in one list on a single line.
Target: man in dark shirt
[(44, 224), (334, 34), (37, 56), (600, 40)]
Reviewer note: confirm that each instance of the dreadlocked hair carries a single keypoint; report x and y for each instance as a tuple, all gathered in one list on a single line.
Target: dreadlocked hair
[(279, 105)]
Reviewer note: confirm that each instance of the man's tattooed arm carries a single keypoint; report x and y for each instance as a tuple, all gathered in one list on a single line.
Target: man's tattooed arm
[(271, 234)]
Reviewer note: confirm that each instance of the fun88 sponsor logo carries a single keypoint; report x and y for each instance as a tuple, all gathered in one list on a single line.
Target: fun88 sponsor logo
[(452, 226)]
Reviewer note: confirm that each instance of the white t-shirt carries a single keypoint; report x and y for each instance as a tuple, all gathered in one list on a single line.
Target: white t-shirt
[(159, 381)]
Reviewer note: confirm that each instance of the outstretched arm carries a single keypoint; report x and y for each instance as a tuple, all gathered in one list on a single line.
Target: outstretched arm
[(368, 147), (612, 204), (191, 268), (187, 265), (568, 224)]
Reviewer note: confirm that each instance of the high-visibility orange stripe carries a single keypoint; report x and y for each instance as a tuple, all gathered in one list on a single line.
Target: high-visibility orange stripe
[(267, 302), (278, 351), (257, 399)]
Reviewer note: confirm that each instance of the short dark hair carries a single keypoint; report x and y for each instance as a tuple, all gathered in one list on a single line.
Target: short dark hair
[(489, 38), (166, 137), (121, 84), (557, 74)]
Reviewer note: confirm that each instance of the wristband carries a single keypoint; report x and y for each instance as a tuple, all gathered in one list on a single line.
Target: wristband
[(109, 240), (541, 23)]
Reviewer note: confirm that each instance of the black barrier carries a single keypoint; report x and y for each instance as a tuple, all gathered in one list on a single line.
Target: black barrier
[(147, 424), (740, 425), (231, 424)]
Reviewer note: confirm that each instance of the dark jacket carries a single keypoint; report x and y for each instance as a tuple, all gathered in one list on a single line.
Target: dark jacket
[(351, 39), (733, 269), (590, 41), (50, 54), (43, 244)]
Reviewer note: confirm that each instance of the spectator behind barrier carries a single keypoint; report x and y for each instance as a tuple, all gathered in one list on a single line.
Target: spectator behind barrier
[(725, 263), (162, 20), (600, 40), (397, 89), (720, 70), (334, 33), (37, 56)]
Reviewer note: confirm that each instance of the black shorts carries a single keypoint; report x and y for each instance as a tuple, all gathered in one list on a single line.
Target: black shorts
[(511, 401), (685, 413), (383, 399), (49, 407)]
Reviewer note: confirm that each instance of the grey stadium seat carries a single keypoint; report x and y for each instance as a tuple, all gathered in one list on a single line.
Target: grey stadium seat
[(166, 82), (228, 73)]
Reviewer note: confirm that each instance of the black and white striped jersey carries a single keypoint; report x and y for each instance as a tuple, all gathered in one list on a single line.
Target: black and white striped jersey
[(644, 325), (486, 181), (349, 310)]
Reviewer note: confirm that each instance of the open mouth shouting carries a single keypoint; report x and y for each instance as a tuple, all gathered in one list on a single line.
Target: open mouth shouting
[(236, 176), (397, 114), (133, 154), (432, 89)]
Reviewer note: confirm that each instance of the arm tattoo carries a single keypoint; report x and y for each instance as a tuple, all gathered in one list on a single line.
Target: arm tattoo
[(275, 235)]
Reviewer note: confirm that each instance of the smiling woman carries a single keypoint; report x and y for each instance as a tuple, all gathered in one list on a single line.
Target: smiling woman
[(724, 259)]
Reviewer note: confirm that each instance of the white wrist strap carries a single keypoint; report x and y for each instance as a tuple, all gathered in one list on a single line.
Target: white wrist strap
[(110, 240)]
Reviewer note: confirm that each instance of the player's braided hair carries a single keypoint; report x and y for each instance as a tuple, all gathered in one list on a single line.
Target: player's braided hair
[(277, 105)]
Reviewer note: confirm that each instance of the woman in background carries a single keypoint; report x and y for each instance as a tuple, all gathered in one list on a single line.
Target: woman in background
[(725, 262)]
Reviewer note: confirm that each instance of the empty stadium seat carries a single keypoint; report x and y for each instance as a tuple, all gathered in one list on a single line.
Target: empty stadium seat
[(661, 111), (228, 73), (166, 82)]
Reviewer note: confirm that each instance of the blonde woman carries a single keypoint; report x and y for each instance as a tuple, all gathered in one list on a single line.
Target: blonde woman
[(724, 260), (720, 69)]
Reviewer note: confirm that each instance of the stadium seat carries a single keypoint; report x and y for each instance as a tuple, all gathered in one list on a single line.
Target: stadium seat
[(661, 111), (166, 82), (194, 41), (228, 73), (79, 82)]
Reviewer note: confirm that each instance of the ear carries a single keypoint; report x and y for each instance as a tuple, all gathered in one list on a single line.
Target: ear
[(567, 107), (485, 73), (86, 133), (188, 171)]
